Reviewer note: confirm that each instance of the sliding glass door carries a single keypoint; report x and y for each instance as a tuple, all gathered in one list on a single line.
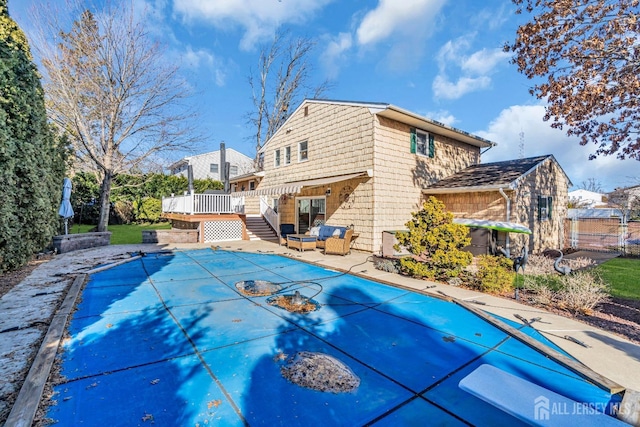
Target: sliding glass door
[(310, 212)]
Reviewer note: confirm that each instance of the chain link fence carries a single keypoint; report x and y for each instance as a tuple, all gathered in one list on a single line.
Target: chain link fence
[(603, 234)]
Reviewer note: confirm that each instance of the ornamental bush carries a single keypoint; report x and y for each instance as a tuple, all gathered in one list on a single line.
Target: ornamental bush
[(495, 274), (147, 209), (435, 242)]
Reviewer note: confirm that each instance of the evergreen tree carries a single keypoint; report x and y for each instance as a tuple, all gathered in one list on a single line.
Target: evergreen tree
[(31, 157)]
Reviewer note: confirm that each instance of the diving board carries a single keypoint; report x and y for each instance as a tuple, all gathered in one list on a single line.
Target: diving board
[(529, 402)]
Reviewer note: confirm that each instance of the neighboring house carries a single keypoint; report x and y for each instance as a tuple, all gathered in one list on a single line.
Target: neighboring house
[(207, 165), (371, 165), (584, 199), (530, 192)]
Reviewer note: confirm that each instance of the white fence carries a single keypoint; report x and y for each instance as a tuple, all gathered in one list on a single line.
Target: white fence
[(269, 214), (203, 204)]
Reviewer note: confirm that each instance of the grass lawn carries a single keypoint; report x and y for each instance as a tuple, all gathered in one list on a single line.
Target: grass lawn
[(123, 234), (623, 274)]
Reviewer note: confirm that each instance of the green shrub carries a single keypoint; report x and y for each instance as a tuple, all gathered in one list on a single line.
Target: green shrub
[(147, 209), (436, 243), (495, 274), (417, 269), (32, 157)]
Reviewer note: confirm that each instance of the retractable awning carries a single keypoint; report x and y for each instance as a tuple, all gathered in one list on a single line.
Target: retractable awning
[(296, 186), (270, 191), (331, 179)]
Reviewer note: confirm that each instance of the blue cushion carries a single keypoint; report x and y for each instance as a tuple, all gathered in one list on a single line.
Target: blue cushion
[(287, 229), (303, 238), (327, 231)]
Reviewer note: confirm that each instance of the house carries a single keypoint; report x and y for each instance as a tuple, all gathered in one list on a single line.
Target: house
[(584, 199), (207, 165), (531, 192), (370, 165)]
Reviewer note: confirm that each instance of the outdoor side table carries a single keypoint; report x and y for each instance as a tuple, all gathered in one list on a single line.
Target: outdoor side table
[(301, 242)]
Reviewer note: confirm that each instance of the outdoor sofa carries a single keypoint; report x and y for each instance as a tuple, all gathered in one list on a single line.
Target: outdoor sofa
[(334, 240)]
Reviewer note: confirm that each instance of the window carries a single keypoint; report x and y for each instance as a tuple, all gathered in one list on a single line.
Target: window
[(233, 170), (422, 143), (276, 158), (252, 185), (303, 154), (545, 208), (287, 155), (213, 168)]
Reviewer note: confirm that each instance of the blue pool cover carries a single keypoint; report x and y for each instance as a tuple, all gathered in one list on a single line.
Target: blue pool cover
[(169, 340)]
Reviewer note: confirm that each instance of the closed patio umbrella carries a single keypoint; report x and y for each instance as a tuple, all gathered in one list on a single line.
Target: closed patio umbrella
[(66, 210)]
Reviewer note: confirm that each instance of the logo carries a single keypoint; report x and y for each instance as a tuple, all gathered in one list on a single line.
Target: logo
[(541, 408)]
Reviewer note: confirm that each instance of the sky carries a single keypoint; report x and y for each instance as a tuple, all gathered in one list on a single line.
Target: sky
[(442, 59)]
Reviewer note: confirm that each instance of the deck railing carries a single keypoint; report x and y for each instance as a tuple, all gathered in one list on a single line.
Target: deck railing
[(203, 204), (269, 214)]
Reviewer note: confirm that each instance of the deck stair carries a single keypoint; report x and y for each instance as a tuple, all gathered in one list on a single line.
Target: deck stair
[(258, 229)]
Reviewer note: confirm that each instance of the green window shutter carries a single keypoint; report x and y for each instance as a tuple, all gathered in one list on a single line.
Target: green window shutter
[(432, 147), (549, 206), (413, 140), (539, 208)]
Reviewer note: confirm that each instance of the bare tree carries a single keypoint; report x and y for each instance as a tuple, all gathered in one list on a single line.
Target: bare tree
[(109, 88), (626, 201), (592, 184), (282, 78), (588, 52)]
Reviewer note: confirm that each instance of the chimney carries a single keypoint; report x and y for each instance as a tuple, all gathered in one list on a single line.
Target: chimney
[(224, 168)]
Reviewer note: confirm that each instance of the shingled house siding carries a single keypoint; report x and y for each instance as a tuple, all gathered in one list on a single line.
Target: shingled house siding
[(399, 175), (546, 180), (340, 141), (343, 139)]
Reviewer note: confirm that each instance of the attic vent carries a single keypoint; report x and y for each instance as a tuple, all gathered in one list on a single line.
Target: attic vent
[(306, 110)]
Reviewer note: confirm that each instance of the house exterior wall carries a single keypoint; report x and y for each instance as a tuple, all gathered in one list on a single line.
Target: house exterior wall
[(400, 175), (339, 141), (202, 165), (546, 180), (344, 139)]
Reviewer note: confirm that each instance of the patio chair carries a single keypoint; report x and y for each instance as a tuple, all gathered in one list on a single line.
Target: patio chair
[(286, 229), (339, 246)]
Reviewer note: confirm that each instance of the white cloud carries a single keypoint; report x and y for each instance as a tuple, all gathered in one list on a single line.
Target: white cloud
[(473, 69), (202, 58), (392, 16), (334, 56), (258, 18), (403, 27), (540, 139), (484, 61), (442, 116), (446, 89)]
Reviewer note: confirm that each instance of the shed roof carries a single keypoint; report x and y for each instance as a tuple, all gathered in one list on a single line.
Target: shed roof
[(490, 176)]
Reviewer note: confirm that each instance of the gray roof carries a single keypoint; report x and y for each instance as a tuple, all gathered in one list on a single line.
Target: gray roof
[(489, 176)]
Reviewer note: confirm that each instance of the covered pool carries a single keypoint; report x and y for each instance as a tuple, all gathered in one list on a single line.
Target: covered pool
[(172, 339)]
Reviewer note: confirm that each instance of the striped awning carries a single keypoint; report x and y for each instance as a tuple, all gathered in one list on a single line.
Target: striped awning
[(296, 186), (270, 191)]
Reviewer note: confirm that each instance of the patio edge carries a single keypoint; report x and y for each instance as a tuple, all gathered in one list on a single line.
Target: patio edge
[(24, 408)]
